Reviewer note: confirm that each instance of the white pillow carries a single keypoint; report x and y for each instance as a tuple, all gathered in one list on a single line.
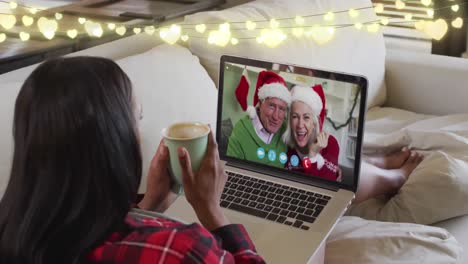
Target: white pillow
[(8, 93), (351, 50), (172, 86), (436, 190), (355, 240)]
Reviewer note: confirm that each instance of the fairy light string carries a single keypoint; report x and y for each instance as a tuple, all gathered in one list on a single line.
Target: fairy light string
[(271, 32)]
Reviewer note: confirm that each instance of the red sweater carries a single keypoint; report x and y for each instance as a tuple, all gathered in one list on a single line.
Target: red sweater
[(159, 240)]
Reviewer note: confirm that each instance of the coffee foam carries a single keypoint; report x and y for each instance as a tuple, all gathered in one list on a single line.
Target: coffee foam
[(187, 130)]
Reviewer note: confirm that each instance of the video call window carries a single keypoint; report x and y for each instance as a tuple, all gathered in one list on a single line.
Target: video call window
[(290, 118)]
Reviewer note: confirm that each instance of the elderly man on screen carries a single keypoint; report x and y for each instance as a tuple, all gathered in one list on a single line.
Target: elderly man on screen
[(257, 136)]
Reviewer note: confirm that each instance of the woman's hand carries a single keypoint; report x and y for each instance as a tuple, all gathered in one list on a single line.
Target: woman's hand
[(203, 188), (158, 196), (320, 143)]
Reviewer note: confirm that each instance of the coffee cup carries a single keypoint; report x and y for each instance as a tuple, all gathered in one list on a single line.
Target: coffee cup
[(193, 137)]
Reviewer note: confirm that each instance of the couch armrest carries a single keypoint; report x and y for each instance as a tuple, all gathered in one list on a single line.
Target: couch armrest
[(425, 83)]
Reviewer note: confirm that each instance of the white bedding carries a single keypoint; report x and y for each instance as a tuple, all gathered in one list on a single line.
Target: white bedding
[(389, 128), (438, 188)]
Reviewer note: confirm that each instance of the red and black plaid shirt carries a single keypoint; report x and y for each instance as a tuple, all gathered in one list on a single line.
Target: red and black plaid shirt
[(160, 240)]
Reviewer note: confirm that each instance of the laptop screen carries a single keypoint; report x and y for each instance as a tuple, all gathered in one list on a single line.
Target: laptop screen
[(284, 118)]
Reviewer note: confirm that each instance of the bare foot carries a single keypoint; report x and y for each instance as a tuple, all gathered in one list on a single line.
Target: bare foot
[(391, 161), (411, 163), (399, 176)]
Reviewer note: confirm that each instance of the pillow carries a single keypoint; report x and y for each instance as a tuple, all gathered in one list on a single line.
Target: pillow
[(351, 50), (8, 92), (172, 86), (436, 190), (355, 240)]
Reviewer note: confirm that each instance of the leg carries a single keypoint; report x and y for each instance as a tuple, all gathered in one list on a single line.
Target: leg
[(391, 161), (375, 181)]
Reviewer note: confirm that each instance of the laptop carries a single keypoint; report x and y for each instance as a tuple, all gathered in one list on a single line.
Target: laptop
[(288, 212)]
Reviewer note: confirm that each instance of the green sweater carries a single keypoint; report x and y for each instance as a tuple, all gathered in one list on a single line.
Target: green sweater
[(244, 143)]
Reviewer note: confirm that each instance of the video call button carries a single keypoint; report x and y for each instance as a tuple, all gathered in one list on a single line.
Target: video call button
[(261, 153), (272, 155), (294, 160), (283, 158)]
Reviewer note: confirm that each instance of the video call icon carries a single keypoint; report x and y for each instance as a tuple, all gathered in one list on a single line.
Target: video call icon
[(272, 155), (260, 153), (283, 158), (294, 160)]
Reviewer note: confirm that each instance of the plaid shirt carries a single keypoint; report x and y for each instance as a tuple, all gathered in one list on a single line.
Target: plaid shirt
[(160, 240)]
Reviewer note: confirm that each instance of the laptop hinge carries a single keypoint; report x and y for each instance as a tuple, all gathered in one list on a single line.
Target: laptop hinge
[(281, 175)]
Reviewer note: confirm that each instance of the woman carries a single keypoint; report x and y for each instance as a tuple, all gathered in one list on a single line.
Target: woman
[(317, 152), (311, 150), (76, 171)]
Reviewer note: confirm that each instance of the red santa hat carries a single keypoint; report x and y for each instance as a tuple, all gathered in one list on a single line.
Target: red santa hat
[(314, 97), (269, 84)]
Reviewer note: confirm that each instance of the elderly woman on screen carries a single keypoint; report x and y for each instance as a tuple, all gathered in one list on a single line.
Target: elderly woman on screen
[(311, 150)]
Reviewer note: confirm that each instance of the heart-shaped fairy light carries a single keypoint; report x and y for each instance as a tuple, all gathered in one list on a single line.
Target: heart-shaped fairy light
[(298, 32), (200, 28), (379, 8), (33, 10), (81, 20), (358, 26), (27, 20), (58, 16), (72, 33), (329, 16), (170, 35), (93, 29), (399, 4), (437, 29), (13, 5), (321, 35), (184, 38), (137, 30), (353, 13), (2, 37), (384, 21), (408, 17), (426, 2), (111, 26), (373, 28), (250, 25), (150, 30), (47, 27), (299, 20), (24, 36), (430, 12), (7, 21), (220, 37), (457, 23), (455, 8), (234, 41), (420, 25), (271, 37), (121, 30)]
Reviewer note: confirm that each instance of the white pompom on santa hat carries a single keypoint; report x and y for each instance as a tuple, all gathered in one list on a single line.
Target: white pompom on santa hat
[(269, 85)]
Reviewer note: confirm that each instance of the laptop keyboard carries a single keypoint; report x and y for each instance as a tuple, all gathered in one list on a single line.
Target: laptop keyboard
[(272, 201)]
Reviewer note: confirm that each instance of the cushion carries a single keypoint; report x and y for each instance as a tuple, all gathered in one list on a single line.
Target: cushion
[(351, 50), (355, 240), (438, 188), (9, 91), (172, 86)]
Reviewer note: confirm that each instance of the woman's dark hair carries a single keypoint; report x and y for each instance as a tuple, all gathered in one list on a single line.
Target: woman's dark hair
[(77, 162)]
